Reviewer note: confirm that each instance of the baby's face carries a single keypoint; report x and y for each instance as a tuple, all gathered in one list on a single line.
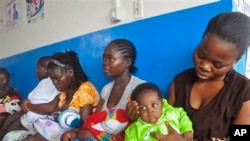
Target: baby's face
[(150, 106)]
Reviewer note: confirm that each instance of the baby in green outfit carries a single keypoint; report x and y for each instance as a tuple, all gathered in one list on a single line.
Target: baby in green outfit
[(155, 112)]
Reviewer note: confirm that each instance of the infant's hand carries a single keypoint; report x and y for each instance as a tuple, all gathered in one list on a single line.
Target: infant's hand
[(68, 135), (172, 136)]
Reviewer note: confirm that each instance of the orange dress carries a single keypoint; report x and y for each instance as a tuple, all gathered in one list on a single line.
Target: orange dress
[(86, 94)]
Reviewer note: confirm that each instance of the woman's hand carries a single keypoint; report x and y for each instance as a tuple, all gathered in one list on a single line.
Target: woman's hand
[(172, 136), (25, 105), (132, 109), (188, 136)]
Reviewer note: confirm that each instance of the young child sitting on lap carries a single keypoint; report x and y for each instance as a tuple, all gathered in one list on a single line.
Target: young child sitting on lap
[(155, 114), (44, 92)]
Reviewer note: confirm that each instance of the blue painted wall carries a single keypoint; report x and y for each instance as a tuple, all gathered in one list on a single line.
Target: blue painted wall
[(165, 45)]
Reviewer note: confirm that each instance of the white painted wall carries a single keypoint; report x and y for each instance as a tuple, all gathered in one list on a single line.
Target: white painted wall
[(65, 19), (244, 6)]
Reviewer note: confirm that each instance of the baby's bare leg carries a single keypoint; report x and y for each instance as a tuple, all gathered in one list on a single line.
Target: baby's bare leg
[(84, 133)]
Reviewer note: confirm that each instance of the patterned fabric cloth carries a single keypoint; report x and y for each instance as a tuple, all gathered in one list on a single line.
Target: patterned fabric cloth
[(49, 128), (86, 94), (104, 124), (87, 139), (176, 117), (113, 121)]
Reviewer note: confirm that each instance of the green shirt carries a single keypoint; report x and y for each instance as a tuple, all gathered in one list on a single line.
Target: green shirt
[(176, 117)]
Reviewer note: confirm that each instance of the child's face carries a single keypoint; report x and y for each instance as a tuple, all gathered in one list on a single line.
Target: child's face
[(150, 106), (214, 58), (40, 72)]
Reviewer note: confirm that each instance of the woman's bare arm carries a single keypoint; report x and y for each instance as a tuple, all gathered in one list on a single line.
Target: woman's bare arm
[(99, 106), (44, 108), (171, 94), (243, 116), (85, 111)]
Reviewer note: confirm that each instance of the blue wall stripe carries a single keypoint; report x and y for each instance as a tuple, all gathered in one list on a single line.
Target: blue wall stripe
[(165, 45)]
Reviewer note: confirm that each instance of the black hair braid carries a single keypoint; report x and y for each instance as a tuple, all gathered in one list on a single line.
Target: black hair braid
[(128, 50), (80, 75), (67, 60)]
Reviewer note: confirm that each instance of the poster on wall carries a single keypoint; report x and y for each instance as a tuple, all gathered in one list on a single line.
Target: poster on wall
[(244, 7), (12, 14), (35, 10)]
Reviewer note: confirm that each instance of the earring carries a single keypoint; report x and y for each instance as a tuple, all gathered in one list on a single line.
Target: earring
[(45, 71)]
